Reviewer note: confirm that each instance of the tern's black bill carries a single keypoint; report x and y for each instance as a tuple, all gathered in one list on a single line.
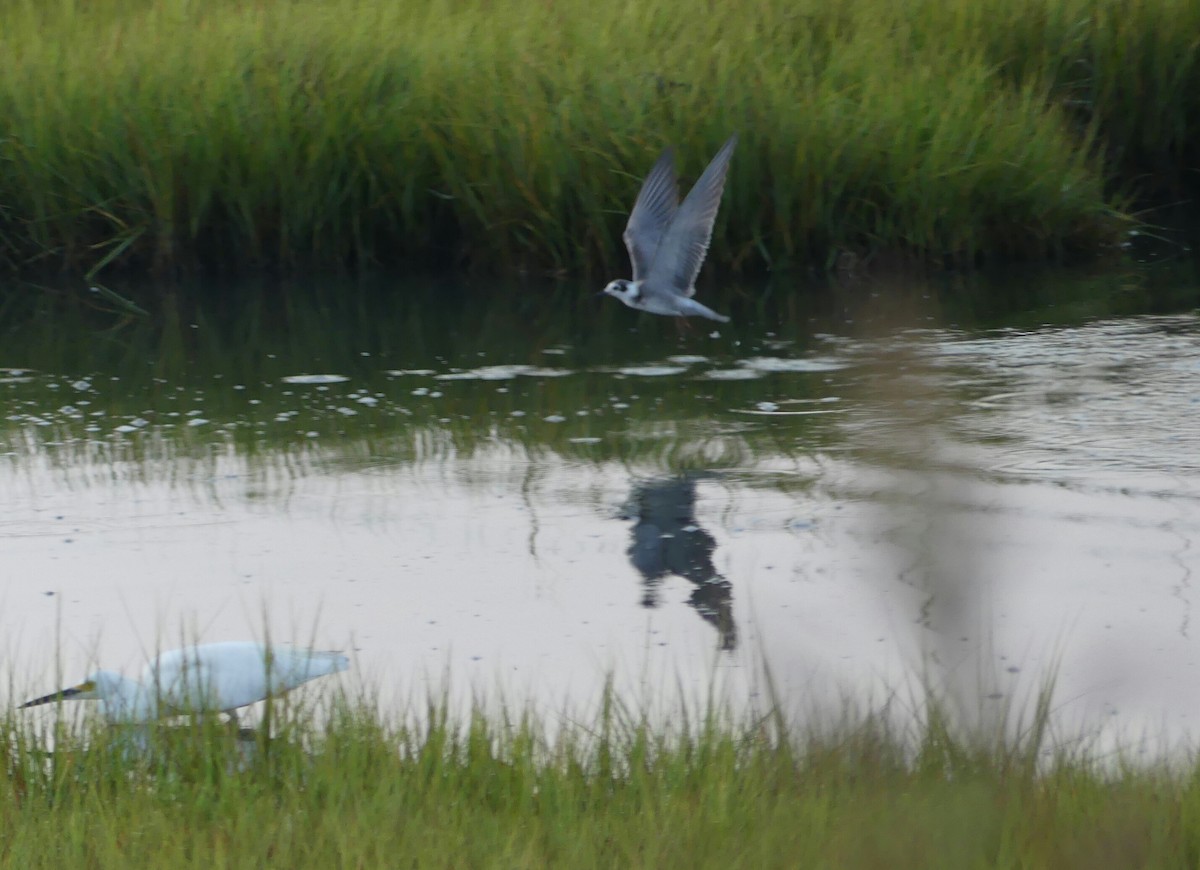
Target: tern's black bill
[(51, 698)]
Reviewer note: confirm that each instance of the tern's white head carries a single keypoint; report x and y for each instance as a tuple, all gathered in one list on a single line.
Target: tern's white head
[(627, 291)]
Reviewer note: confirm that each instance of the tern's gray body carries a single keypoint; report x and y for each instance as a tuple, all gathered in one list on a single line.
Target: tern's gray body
[(667, 240)]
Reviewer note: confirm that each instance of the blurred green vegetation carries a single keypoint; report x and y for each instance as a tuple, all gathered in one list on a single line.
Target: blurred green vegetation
[(237, 134), (349, 786)]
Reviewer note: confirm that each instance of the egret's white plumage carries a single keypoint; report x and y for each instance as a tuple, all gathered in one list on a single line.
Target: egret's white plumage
[(211, 677), (667, 241)]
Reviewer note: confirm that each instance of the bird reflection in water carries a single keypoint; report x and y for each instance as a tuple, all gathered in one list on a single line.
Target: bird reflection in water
[(668, 540)]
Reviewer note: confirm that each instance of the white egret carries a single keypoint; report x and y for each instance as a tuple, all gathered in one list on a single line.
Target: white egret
[(211, 677)]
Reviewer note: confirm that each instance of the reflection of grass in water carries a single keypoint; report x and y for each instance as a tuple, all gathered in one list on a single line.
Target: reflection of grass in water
[(192, 361), (374, 438), (441, 132), (352, 787), (230, 372)]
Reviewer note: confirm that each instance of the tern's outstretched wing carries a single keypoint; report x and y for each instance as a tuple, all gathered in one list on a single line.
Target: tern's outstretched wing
[(651, 215), (682, 248)]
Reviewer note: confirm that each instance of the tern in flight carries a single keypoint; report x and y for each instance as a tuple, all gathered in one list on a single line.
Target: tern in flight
[(667, 240)]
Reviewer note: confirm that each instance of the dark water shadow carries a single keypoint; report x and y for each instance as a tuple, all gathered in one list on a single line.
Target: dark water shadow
[(667, 539)]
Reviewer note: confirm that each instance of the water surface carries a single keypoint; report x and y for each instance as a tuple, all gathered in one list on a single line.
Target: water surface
[(525, 499)]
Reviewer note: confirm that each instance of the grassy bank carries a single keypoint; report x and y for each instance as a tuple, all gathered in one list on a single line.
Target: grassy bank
[(606, 791), (239, 133)]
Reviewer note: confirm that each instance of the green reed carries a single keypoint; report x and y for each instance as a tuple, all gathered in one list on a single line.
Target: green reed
[(242, 133), (342, 784)]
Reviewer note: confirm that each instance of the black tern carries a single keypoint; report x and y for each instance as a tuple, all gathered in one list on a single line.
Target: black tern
[(667, 241)]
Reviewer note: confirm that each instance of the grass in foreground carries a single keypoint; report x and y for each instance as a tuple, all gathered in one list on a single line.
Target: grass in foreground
[(351, 790), (238, 133)]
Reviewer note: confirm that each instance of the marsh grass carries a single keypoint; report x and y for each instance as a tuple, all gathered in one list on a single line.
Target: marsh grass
[(241, 133), (345, 785)]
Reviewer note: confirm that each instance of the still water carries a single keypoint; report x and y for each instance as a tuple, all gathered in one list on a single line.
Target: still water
[(524, 500)]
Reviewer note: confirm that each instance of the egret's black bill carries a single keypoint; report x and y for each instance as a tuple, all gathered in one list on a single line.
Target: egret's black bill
[(51, 698)]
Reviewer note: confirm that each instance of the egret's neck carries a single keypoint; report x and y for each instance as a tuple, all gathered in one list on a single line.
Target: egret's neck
[(126, 700)]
